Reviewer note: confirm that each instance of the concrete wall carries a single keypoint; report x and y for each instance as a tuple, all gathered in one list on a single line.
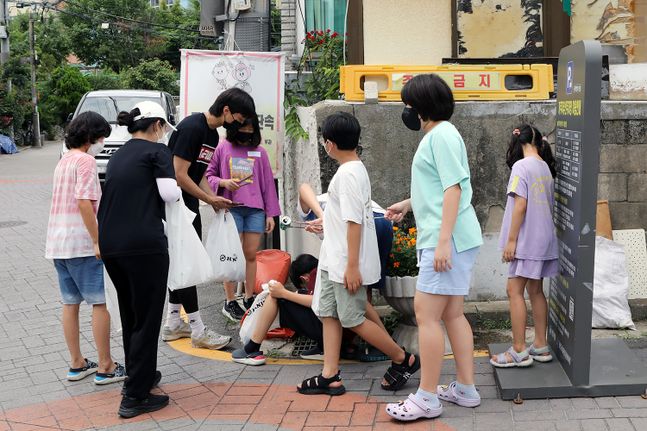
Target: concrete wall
[(407, 31), (388, 148)]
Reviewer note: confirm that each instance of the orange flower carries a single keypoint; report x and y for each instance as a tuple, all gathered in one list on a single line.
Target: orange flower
[(413, 241), (412, 231), (395, 228), (396, 264)]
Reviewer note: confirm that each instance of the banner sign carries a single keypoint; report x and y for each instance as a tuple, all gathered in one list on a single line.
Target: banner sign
[(205, 74)]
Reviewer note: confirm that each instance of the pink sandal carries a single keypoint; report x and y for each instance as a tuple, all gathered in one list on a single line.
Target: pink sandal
[(411, 410)]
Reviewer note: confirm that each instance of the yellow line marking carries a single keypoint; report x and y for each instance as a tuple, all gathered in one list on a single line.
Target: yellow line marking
[(184, 345)]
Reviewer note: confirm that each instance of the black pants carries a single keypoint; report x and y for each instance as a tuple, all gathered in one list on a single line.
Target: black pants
[(301, 320), (188, 297), (140, 282)]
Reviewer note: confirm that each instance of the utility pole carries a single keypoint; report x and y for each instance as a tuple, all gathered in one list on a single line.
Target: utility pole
[(34, 92), (4, 32)]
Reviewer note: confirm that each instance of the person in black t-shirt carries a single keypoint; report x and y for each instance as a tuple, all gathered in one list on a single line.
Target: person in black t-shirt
[(193, 145), (139, 179)]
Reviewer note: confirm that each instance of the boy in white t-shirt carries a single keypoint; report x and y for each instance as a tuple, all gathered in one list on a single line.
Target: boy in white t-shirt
[(348, 262)]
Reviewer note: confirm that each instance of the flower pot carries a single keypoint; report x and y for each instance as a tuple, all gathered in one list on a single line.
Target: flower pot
[(399, 293)]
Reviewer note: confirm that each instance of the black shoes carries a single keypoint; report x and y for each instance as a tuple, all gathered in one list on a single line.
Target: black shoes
[(248, 302), (131, 407), (158, 377), (233, 311)]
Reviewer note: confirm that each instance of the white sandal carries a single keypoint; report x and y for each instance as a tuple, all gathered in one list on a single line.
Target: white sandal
[(411, 410), (510, 358), (540, 354)]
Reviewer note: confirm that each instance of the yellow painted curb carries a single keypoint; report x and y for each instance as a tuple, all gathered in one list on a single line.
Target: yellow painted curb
[(184, 345)]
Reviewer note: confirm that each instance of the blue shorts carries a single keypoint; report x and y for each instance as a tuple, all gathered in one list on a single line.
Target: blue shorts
[(81, 279), (249, 219), (456, 281)]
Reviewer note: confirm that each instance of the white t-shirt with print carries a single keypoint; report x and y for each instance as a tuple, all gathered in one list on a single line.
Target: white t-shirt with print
[(349, 200)]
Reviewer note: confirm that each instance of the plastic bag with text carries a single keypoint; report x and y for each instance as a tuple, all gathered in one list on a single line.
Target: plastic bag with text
[(224, 248)]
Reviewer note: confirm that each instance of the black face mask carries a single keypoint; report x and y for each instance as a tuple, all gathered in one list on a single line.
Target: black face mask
[(410, 118), (244, 138), (234, 125)]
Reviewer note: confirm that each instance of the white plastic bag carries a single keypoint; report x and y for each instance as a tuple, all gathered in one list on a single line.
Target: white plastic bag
[(251, 316), (224, 248), (189, 263), (610, 286), (112, 303)]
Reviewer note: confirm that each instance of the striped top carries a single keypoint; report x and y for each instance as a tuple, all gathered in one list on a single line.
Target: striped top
[(75, 178)]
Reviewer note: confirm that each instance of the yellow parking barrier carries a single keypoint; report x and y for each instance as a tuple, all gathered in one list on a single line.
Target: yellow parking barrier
[(468, 82)]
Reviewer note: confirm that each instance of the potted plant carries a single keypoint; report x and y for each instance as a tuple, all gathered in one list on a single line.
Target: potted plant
[(400, 285)]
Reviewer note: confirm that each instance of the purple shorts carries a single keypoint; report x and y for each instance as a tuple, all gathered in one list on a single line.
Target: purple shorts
[(533, 269)]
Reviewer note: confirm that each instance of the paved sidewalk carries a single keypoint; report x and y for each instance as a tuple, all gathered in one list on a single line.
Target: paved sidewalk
[(207, 394)]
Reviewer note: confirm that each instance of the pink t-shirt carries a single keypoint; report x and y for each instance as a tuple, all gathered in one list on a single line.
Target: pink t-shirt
[(75, 178)]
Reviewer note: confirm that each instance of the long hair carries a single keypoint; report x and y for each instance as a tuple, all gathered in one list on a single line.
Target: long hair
[(526, 134)]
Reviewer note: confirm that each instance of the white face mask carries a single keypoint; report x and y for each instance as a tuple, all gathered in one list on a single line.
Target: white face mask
[(96, 148), (162, 136)]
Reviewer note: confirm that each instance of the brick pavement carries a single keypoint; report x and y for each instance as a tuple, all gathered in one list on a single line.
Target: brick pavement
[(205, 394)]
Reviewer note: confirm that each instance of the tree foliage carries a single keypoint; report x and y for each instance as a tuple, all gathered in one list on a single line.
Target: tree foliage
[(152, 75), (61, 93)]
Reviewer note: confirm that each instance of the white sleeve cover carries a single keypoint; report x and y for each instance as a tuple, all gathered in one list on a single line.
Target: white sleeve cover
[(168, 189)]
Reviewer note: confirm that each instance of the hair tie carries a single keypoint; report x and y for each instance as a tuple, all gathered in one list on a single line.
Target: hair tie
[(516, 132)]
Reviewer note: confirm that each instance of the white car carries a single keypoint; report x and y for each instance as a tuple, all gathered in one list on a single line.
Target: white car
[(109, 103)]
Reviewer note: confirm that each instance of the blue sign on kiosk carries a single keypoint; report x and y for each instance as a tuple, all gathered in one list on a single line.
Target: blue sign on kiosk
[(584, 367)]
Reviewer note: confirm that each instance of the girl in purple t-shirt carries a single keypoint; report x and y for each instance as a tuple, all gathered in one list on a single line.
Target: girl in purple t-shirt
[(240, 171), (529, 243)]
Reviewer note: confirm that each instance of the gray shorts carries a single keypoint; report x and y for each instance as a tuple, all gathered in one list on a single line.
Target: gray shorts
[(335, 301)]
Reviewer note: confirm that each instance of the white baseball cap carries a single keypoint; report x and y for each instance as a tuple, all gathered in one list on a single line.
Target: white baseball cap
[(149, 109)]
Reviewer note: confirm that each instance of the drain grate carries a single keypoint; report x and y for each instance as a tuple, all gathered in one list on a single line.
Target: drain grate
[(302, 344), (11, 223)]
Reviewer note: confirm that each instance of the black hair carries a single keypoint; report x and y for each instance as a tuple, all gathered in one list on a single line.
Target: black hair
[(128, 119), (86, 127), (526, 134), (256, 133), (238, 101), (343, 129), (302, 265), (430, 95)]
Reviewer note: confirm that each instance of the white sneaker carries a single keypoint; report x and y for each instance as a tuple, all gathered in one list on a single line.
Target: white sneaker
[(182, 331), (210, 340)]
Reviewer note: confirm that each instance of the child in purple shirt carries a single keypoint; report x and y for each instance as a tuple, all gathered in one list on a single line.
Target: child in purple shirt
[(529, 243), (240, 171)]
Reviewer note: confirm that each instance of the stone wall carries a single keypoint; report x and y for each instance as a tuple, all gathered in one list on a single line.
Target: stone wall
[(388, 148)]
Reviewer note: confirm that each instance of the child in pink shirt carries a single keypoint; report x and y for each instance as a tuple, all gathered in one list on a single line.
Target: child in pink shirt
[(240, 171), (72, 242)]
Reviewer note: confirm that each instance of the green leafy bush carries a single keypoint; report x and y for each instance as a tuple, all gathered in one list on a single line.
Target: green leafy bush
[(152, 75)]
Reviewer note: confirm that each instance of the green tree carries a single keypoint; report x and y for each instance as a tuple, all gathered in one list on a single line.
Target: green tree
[(153, 75), (122, 44), (60, 95), (105, 80)]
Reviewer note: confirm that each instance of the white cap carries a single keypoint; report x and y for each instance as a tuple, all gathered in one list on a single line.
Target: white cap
[(149, 109)]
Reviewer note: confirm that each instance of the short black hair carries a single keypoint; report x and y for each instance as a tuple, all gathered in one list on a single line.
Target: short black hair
[(302, 265), (87, 127), (238, 101), (343, 129), (430, 95), (128, 119), (256, 138)]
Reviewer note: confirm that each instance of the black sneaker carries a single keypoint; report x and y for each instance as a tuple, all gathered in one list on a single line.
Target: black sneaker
[(232, 310), (247, 303), (131, 407), (158, 377)]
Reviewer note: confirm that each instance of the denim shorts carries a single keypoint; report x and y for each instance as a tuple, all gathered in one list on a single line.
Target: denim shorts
[(456, 281), (81, 279), (249, 219)]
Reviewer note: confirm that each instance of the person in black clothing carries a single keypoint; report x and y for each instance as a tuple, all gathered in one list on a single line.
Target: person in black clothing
[(193, 145), (139, 179)]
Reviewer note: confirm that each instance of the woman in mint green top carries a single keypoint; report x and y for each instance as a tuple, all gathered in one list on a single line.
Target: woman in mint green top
[(448, 240)]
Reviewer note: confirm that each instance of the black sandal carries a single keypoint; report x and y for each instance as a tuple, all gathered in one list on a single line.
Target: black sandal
[(397, 375), (321, 385)]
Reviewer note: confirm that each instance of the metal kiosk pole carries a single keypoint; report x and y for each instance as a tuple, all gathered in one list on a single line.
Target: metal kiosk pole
[(583, 368)]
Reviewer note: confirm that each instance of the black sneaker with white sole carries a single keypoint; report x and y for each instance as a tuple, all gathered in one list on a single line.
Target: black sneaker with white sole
[(233, 311), (314, 354), (248, 302), (117, 375), (75, 374), (131, 407)]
